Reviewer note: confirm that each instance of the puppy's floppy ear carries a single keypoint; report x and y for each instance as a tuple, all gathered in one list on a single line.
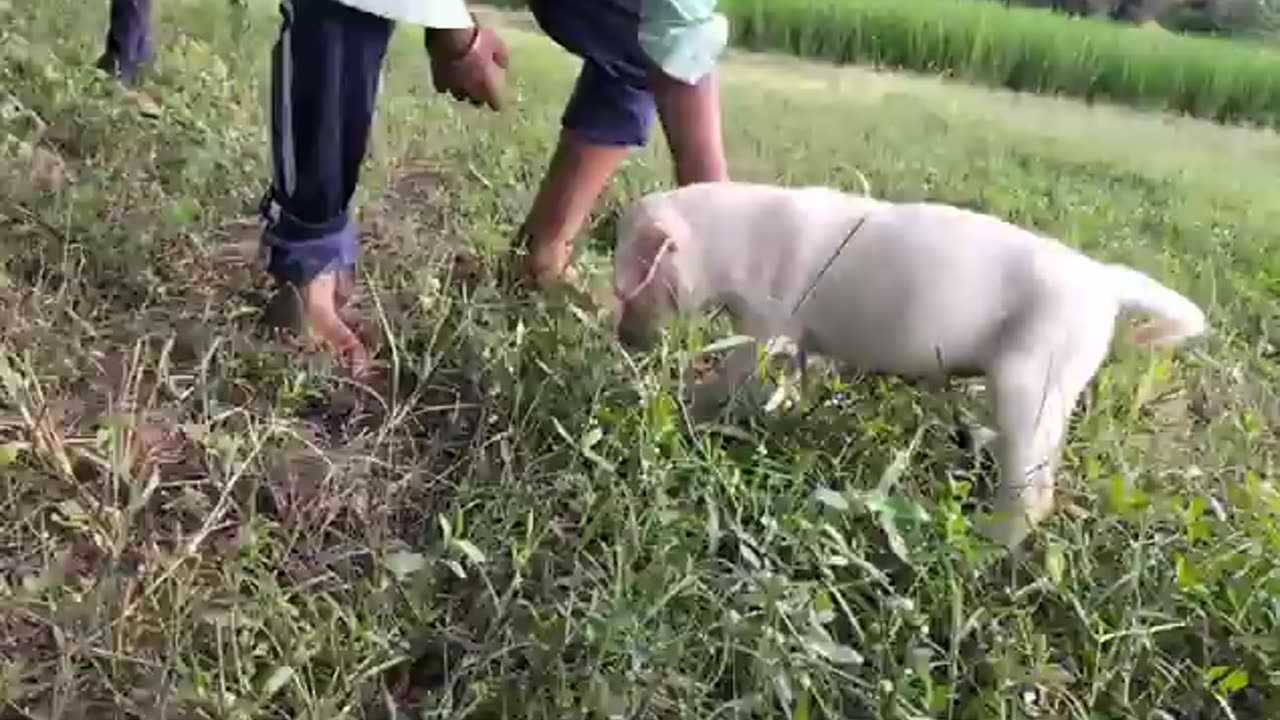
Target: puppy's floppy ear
[(654, 241)]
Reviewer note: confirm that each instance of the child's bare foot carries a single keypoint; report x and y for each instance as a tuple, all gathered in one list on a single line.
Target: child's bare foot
[(321, 299), (314, 309)]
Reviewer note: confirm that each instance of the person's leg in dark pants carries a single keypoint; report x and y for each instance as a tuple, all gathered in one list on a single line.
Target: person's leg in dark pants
[(610, 113), (128, 39), (325, 71)]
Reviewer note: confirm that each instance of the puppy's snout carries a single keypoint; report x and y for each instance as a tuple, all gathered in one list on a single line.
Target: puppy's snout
[(637, 339), (633, 332)]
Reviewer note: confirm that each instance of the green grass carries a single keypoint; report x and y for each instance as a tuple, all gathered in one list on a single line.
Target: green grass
[(1024, 49), (199, 519)]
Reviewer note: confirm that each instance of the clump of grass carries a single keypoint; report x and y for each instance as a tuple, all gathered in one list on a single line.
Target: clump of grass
[(1024, 49)]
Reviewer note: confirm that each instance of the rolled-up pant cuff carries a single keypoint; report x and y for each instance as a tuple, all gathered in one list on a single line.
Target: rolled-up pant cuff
[(296, 252)]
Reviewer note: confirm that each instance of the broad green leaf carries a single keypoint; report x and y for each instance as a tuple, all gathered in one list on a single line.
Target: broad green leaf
[(803, 705), (896, 542), (836, 653), (598, 460), (782, 687), (901, 461), (456, 569), (727, 430), (728, 343), (9, 453), (1055, 563), (1235, 682), (831, 499), (905, 509), (1188, 578), (563, 433), (276, 680), (823, 603), (403, 564), (472, 552)]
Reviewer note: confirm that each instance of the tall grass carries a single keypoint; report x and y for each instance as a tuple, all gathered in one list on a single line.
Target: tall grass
[(1023, 49)]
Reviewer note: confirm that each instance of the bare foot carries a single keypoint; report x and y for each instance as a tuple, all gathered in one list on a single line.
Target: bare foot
[(320, 301), (315, 309), (144, 104)]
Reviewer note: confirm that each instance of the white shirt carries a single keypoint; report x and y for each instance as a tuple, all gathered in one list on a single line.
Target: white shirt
[(444, 14)]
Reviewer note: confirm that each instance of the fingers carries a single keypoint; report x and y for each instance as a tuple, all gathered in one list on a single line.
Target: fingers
[(479, 76), (477, 92), (493, 93), (484, 87)]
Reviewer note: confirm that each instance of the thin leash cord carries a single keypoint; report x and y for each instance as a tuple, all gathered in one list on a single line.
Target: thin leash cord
[(818, 278)]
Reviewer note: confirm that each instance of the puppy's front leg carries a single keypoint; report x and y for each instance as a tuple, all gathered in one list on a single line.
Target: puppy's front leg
[(738, 367), (741, 364)]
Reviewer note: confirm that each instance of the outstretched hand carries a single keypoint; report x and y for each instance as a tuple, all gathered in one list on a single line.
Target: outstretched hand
[(470, 64)]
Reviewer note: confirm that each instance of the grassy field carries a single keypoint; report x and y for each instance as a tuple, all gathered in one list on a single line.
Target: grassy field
[(1025, 49), (199, 519)]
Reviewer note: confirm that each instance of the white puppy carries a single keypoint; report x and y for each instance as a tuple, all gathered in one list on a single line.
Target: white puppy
[(912, 289)]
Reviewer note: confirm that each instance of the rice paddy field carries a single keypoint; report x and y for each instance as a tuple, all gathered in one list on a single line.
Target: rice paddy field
[(513, 518), (1025, 49)]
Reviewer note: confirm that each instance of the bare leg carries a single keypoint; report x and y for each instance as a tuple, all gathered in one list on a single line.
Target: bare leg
[(690, 116), (578, 173), (580, 170)]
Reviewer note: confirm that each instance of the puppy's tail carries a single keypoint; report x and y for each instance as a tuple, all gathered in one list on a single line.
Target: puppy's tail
[(1174, 317)]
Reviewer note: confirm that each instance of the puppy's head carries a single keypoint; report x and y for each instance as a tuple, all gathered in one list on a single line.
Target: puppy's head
[(648, 285)]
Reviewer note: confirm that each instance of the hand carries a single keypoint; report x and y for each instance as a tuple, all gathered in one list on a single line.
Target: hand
[(469, 64)]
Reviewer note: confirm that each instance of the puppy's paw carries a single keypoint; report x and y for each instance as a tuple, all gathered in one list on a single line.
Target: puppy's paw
[(706, 401), (787, 396)]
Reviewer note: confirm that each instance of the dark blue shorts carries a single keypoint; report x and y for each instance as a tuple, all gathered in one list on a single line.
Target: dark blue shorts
[(611, 103)]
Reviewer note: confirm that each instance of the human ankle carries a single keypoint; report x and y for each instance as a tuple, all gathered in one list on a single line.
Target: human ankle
[(701, 170)]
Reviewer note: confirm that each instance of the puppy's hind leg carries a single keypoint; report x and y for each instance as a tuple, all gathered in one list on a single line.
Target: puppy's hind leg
[(1025, 409), (1034, 395)]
